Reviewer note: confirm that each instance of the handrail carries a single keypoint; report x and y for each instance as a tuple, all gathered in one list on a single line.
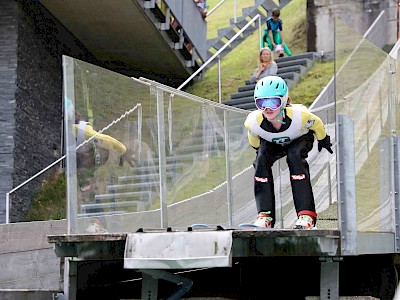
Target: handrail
[(321, 108), (25, 182), (138, 105), (219, 4), (215, 7), (219, 51)]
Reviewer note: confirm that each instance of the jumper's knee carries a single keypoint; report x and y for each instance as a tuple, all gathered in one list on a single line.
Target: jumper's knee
[(295, 156)]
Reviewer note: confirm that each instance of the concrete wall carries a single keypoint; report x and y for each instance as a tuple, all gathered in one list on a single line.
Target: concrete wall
[(29, 295), (31, 49), (27, 261), (8, 74), (359, 14)]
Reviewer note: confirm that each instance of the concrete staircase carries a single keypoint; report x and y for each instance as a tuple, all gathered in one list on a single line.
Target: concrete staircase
[(290, 68), (176, 38), (262, 7), (140, 190)]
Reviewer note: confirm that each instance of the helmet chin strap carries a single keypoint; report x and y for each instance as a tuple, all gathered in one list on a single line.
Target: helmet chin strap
[(281, 113)]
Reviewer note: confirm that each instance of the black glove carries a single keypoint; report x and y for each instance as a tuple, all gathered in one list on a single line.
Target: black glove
[(129, 157), (325, 143)]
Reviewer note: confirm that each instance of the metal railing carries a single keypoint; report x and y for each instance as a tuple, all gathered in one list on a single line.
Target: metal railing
[(216, 6), (219, 4), (203, 66), (8, 204)]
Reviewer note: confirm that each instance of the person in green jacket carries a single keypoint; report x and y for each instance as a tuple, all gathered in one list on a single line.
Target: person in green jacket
[(274, 36)]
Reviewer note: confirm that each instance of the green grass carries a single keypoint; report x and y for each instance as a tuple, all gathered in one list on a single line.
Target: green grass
[(309, 87), (50, 202), (240, 63)]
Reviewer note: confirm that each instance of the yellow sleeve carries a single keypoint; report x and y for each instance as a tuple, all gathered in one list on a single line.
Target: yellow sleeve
[(254, 139), (103, 140), (314, 123)]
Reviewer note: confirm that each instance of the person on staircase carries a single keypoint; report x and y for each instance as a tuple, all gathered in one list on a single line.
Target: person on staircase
[(202, 7), (274, 35), (266, 66), (277, 129)]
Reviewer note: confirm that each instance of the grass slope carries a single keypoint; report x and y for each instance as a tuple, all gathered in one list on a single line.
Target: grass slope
[(240, 63)]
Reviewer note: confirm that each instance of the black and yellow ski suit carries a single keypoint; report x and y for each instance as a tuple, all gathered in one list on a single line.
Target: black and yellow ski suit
[(294, 140)]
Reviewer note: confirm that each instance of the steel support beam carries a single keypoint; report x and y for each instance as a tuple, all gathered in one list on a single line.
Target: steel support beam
[(329, 281)]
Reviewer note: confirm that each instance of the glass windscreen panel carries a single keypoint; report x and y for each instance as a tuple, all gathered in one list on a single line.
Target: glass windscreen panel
[(362, 94), (107, 149), (198, 145), (142, 155)]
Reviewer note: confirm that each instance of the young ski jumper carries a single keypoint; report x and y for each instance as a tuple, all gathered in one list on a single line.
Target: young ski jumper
[(275, 130)]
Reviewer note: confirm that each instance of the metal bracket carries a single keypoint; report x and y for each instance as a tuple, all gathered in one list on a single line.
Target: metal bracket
[(329, 280), (396, 167), (149, 4), (179, 45), (149, 288), (166, 25), (331, 258), (59, 296)]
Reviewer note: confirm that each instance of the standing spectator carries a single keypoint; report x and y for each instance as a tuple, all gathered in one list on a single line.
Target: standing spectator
[(273, 34), (266, 65), (202, 6)]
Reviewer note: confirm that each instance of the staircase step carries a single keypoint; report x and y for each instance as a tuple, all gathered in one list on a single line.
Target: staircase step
[(243, 94), (239, 101), (237, 42), (139, 186), (170, 165), (248, 14), (246, 11), (247, 106), (240, 24), (289, 75), (289, 83), (218, 45), (247, 87), (309, 55), (142, 195), (302, 61), (268, 6), (143, 177), (223, 32), (283, 3), (198, 148), (292, 75), (286, 75), (211, 42), (98, 208), (230, 34), (297, 68)]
